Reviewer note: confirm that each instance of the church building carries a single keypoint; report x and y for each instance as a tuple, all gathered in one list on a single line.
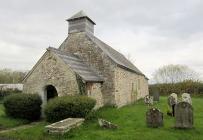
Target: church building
[(85, 65)]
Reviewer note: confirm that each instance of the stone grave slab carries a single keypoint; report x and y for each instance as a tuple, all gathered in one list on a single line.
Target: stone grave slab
[(64, 126)]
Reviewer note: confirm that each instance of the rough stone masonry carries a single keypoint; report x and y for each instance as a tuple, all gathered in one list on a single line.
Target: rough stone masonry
[(83, 64)]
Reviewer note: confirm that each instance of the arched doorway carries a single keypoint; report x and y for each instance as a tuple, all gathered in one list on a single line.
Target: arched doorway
[(51, 92)]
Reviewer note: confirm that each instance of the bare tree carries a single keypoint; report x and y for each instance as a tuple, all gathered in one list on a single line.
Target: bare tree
[(174, 73)]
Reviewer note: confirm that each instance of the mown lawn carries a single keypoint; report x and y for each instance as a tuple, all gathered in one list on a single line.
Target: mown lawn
[(132, 126)]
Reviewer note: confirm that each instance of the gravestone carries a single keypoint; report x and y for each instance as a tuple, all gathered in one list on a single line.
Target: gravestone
[(154, 118), (183, 115), (155, 94), (174, 95), (186, 98), (106, 124), (172, 101), (148, 100)]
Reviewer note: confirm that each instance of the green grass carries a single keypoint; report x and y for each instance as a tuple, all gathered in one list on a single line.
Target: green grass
[(7, 122), (131, 122)]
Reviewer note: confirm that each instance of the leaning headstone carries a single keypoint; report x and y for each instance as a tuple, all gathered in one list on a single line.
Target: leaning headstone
[(154, 118), (172, 101), (175, 96), (148, 100), (183, 115), (64, 126), (186, 98), (106, 124)]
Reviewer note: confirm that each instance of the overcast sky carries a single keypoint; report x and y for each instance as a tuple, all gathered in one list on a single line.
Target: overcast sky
[(152, 33)]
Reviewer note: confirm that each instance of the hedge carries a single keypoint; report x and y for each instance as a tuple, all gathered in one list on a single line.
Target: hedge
[(64, 107), (179, 88), (24, 106), (4, 93)]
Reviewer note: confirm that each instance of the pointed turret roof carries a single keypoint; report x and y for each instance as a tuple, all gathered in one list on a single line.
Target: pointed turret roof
[(79, 15)]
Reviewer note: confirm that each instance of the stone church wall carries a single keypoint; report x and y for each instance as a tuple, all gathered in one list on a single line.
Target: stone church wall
[(94, 91), (51, 71), (81, 45), (129, 87)]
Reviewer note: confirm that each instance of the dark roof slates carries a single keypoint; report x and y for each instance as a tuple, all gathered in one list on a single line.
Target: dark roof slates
[(114, 55)]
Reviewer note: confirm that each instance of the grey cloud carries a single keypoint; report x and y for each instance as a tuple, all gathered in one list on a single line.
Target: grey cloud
[(154, 32)]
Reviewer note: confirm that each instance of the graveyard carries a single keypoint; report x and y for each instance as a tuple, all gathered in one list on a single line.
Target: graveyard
[(101, 70), (131, 122)]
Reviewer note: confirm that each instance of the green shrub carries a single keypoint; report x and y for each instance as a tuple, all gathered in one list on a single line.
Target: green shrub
[(93, 115), (24, 106), (68, 106), (4, 93)]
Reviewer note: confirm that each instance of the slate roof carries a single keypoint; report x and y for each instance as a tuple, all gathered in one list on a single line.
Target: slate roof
[(78, 66), (79, 15), (117, 57)]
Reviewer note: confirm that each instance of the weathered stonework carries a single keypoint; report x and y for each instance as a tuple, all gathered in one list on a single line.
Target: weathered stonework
[(94, 91), (121, 86), (81, 45), (64, 126), (51, 71), (129, 87), (184, 117), (106, 124), (154, 118)]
